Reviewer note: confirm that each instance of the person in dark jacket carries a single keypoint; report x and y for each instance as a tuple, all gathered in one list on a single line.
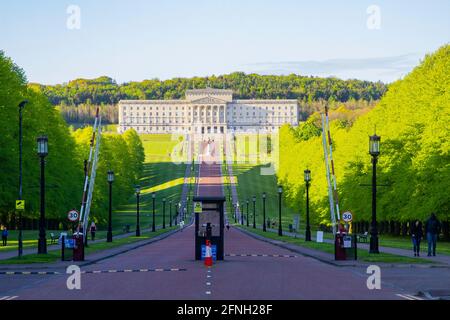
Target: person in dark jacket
[(432, 229), (5, 236), (416, 234)]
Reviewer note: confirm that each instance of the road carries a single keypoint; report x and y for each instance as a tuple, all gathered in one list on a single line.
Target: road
[(166, 269)]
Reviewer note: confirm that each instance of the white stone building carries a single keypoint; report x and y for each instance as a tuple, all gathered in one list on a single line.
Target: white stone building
[(207, 111)]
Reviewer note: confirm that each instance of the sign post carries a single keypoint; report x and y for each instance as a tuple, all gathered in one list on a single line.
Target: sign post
[(347, 216), (20, 205), (73, 215)]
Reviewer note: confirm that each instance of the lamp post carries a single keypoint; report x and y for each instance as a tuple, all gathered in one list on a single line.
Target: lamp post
[(164, 213), (264, 211), (280, 229), (254, 212), (42, 150), (179, 212), (20, 241), (153, 207), (170, 213), (242, 216), (138, 227), (248, 201), (110, 181), (308, 227), (374, 150), (186, 208)]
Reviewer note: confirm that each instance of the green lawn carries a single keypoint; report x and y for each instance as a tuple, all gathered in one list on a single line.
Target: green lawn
[(55, 255), (161, 176), (250, 182), (363, 255)]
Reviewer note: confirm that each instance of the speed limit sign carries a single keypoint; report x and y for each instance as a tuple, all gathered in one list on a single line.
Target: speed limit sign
[(73, 215), (347, 216)]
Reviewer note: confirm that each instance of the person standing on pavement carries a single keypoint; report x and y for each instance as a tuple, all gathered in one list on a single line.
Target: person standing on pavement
[(5, 236), (432, 229), (416, 235), (93, 229)]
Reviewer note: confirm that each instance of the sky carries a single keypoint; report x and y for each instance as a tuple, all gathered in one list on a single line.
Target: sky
[(133, 40)]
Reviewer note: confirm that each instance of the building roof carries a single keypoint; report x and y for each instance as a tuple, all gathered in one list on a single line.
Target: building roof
[(209, 91)]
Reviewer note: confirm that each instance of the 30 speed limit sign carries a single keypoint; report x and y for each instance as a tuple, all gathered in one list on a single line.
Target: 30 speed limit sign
[(347, 216), (73, 215)]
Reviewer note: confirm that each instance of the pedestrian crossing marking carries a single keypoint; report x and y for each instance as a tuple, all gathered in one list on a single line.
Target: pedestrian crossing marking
[(408, 296), (4, 298)]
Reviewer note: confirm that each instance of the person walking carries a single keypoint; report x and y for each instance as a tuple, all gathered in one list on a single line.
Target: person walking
[(5, 236), (432, 229), (416, 235), (93, 229)]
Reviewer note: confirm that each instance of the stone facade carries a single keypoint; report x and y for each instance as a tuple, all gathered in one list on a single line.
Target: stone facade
[(207, 111)]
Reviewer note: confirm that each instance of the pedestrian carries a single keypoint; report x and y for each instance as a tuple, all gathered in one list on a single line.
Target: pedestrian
[(5, 236), (93, 229), (432, 229), (228, 226), (181, 225), (416, 235)]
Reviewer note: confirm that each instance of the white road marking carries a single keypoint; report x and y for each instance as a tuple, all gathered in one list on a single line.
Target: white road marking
[(408, 297), (4, 298), (12, 298)]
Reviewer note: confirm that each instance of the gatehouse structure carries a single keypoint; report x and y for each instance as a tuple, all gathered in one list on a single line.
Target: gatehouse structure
[(207, 111)]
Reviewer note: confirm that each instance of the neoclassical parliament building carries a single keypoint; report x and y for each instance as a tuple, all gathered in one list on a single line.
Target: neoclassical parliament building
[(207, 111)]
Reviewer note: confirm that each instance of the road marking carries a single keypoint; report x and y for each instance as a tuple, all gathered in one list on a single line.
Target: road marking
[(208, 292), (261, 255), (12, 298), (409, 297), (10, 273)]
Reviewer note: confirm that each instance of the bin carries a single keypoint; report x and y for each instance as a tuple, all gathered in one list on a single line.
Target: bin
[(78, 250), (345, 247)]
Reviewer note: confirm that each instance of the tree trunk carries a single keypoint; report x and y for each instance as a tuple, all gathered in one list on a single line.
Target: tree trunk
[(392, 227), (404, 229), (446, 231), (397, 228)]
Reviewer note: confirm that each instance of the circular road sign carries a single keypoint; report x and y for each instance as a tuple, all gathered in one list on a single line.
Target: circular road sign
[(73, 215), (347, 216)]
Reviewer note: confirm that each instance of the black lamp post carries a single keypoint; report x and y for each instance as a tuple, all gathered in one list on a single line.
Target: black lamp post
[(110, 181), (42, 150), (280, 229), (374, 150), (170, 213), (254, 212), (164, 213), (138, 227), (264, 211), (186, 208), (248, 201), (153, 207), (20, 241), (179, 212), (308, 227)]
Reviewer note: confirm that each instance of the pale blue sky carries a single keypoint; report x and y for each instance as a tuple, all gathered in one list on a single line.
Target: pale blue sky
[(138, 39)]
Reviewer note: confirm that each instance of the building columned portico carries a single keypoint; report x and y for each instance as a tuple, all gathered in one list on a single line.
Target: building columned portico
[(206, 111)]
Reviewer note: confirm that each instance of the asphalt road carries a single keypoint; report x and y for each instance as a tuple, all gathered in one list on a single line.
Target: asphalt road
[(252, 270)]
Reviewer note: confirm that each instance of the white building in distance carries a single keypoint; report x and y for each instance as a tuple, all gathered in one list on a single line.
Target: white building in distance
[(207, 111)]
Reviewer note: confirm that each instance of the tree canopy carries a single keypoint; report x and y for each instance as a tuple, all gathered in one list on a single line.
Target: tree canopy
[(413, 122)]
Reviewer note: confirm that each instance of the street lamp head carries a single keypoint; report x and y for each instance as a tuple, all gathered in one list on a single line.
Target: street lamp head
[(42, 146), (280, 189), (137, 189), (264, 195), (254, 198), (110, 176), (23, 103), (307, 175), (248, 201), (374, 145), (164, 199), (153, 195)]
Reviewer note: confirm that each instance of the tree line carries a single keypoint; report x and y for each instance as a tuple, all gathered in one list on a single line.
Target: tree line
[(79, 97), (414, 164), (67, 151)]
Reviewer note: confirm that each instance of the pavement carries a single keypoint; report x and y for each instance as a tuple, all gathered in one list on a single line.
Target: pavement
[(252, 270)]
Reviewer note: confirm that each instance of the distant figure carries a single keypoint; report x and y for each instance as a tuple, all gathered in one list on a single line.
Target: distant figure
[(432, 229), (181, 225), (5, 236), (93, 229), (416, 235), (228, 226)]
